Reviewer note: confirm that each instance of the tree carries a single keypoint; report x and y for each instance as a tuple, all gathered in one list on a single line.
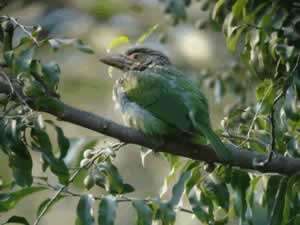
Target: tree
[(262, 134)]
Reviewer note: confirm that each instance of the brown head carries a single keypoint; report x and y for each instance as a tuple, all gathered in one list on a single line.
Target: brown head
[(137, 58)]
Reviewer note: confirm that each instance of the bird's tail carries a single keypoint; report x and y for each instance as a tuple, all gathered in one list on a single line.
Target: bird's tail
[(220, 149)]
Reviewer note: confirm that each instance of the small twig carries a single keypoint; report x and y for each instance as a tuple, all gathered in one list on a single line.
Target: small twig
[(23, 28), (255, 116), (15, 92), (54, 197), (262, 28), (73, 176), (240, 137)]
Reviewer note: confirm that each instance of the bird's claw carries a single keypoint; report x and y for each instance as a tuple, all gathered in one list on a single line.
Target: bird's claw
[(264, 162)]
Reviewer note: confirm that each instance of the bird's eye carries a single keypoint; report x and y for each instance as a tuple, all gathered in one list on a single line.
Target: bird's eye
[(133, 56)]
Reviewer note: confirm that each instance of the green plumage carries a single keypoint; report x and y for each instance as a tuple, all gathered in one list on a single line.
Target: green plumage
[(161, 101)]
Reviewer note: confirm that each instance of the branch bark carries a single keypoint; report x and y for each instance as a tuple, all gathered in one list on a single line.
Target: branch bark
[(241, 158)]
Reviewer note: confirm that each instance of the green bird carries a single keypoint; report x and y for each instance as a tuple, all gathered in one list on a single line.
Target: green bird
[(159, 100)]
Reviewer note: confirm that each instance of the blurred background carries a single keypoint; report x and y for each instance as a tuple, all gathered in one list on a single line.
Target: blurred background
[(85, 82)]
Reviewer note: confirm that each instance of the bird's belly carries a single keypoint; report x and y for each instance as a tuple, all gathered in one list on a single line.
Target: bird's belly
[(136, 117)]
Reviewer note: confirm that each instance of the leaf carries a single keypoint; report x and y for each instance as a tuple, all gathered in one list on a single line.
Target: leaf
[(46, 202), (239, 8), (165, 212), (277, 212), (179, 188), (147, 34), (63, 141), (9, 200), (198, 207), (176, 8), (9, 57), (216, 191), (217, 7), (112, 179), (22, 170), (265, 94), (83, 47), (110, 71), (23, 61), (175, 163), (240, 182), (232, 40), (57, 43), (107, 210), (118, 41), (51, 72), (144, 212), (85, 210), (42, 142), (17, 219)]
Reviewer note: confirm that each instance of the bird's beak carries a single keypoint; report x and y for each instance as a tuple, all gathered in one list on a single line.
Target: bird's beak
[(121, 62)]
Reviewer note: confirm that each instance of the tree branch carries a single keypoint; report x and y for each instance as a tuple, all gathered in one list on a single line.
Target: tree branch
[(243, 159)]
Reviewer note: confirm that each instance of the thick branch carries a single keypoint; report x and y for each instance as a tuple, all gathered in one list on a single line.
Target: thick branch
[(240, 158)]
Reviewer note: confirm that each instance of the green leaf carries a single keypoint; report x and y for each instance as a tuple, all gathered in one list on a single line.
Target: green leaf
[(110, 71), (22, 170), (144, 212), (23, 61), (176, 8), (9, 200), (232, 40), (46, 202), (85, 210), (17, 219), (239, 8), (83, 47), (63, 141), (165, 212), (217, 7), (175, 163), (111, 179), (107, 210), (9, 58), (118, 41), (42, 142), (216, 191), (57, 43), (179, 188), (240, 183), (198, 207), (147, 34), (277, 212), (265, 94), (51, 72)]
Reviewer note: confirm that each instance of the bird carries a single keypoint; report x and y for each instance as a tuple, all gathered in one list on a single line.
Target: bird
[(158, 99)]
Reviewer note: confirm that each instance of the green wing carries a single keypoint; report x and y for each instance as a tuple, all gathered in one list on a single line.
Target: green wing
[(154, 93)]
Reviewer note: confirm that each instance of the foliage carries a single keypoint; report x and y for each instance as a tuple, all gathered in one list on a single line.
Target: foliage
[(264, 35)]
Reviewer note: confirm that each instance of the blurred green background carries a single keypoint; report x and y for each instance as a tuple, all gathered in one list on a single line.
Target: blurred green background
[(85, 82)]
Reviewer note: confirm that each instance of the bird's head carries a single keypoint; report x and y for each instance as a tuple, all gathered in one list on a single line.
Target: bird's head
[(137, 58)]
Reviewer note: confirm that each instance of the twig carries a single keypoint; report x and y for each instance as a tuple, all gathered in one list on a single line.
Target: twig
[(240, 137), (23, 28), (55, 196), (73, 176)]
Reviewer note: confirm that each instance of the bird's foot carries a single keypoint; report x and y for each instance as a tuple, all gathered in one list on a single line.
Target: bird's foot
[(266, 161)]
